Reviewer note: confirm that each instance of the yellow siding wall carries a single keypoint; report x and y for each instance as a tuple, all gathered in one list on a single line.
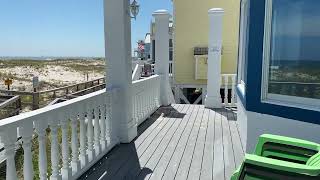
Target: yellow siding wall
[(191, 30)]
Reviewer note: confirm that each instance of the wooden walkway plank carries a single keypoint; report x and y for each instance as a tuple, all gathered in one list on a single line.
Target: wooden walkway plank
[(228, 153), (151, 160), (129, 170), (197, 158), (173, 165), (218, 159), (163, 161), (186, 159), (237, 146), (207, 162)]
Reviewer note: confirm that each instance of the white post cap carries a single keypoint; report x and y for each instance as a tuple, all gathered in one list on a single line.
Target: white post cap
[(216, 11)]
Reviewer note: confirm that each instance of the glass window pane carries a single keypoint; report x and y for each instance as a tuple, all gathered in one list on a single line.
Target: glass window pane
[(294, 67)]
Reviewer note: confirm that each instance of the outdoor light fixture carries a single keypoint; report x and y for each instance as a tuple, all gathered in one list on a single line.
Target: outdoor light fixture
[(134, 9)]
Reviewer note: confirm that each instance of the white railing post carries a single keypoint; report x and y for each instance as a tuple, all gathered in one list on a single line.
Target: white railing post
[(103, 139), (75, 163), (41, 126), (9, 138), (26, 131), (91, 151), (65, 171), (162, 53), (119, 62), (54, 150), (83, 141), (213, 99), (97, 146)]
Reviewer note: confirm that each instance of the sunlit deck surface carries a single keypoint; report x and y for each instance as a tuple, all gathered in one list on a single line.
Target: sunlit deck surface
[(177, 142)]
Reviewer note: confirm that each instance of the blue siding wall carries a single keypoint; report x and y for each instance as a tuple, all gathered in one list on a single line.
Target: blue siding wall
[(252, 98)]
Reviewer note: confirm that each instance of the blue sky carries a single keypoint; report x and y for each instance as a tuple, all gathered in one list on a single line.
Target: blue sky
[(63, 27)]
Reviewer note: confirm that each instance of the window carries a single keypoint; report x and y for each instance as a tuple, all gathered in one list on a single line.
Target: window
[(292, 51), (242, 64)]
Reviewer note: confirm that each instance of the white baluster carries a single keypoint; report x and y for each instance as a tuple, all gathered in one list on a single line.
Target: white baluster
[(83, 141), (26, 131), (54, 151), (65, 171), (226, 78), (103, 139), (97, 146), (41, 126), (134, 108), (109, 130), (9, 138), (233, 89), (75, 163), (91, 152)]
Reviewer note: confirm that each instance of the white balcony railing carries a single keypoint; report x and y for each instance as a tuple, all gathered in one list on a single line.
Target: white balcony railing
[(146, 97), (58, 126), (229, 83)]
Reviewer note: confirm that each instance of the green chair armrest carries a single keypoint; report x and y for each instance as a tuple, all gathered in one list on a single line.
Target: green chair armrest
[(268, 138), (282, 165)]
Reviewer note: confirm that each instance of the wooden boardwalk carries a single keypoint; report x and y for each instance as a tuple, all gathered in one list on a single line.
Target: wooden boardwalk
[(177, 142)]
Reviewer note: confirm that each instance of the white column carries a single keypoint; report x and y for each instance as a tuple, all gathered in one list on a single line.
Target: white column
[(213, 99), (162, 53), (119, 62)]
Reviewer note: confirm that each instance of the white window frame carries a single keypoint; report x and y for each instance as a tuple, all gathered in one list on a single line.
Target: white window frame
[(278, 99), (242, 42)]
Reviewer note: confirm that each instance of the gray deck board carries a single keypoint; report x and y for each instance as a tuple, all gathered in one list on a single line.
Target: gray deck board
[(197, 158), (207, 162), (218, 158), (172, 147), (177, 142), (162, 147), (228, 153), (186, 159), (131, 168), (237, 146)]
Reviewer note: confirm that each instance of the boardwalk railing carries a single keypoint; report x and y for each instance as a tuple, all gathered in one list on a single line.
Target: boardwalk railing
[(57, 92), (145, 97), (228, 83), (59, 125)]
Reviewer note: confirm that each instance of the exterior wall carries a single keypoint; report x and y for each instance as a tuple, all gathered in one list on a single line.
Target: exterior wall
[(252, 125), (191, 29)]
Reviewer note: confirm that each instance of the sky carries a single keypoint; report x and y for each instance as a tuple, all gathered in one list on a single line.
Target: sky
[(63, 27)]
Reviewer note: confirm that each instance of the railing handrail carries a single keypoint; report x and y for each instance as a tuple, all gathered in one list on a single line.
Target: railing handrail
[(9, 101), (47, 91), (69, 86), (29, 116), (145, 79)]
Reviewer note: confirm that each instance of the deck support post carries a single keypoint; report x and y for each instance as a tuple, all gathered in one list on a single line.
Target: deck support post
[(117, 23), (162, 53), (213, 98)]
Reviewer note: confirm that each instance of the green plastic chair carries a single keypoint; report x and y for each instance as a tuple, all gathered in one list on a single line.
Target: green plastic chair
[(279, 157)]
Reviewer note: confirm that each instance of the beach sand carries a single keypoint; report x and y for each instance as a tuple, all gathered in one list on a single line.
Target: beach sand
[(51, 73)]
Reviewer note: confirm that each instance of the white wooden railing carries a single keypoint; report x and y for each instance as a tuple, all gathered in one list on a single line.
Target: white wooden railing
[(87, 115), (229, 82), (145, 97)]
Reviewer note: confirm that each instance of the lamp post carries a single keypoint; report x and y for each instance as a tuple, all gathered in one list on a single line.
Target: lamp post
[(134, 9)]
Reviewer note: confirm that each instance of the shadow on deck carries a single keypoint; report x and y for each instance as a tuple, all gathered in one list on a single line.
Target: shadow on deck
[(177, 142)]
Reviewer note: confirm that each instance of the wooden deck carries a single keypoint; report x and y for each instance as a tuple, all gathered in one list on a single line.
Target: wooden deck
[(177, 142)]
